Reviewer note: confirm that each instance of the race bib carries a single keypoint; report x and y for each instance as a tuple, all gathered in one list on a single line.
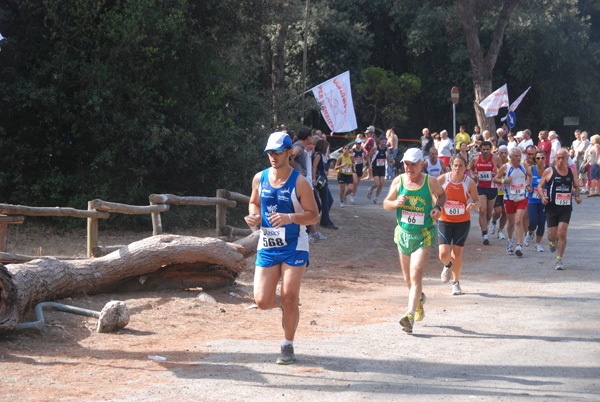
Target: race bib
[(518, 189), (380, 162), (485, 176), (358, 161), (346, 169), (272, 237), (563, 199), (536, 195), (413, 218), (454, 208)]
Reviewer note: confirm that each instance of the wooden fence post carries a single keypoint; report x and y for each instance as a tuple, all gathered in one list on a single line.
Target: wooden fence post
[(92, 231), (221, 212), (156, 222)]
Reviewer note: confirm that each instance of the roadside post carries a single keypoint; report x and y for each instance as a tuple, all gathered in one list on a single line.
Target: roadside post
[(454, 95)]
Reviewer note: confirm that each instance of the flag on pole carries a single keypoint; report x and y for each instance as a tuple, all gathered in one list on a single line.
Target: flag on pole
[(1, 37), (513, 106), (337, 108), (516, 103), (496, 100)]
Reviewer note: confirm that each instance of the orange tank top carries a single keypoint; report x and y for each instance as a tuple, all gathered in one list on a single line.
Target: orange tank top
[(455, 209)]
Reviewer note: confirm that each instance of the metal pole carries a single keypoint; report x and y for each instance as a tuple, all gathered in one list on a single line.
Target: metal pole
[(304, 61), (454, 120)]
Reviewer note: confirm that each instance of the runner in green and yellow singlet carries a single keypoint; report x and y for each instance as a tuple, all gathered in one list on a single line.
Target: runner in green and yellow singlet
[(418, 201)]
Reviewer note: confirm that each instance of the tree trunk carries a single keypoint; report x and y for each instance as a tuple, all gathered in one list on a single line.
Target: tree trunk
[(158, 262), (278, 73), (483, 65)]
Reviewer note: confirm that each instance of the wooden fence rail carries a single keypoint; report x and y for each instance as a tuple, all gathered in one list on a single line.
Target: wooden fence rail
[(99, 209)]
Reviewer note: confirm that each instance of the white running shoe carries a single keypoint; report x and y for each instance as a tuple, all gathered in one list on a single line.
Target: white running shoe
[(501, 235), (492, 228), (369, 193), (509, 247), (527, 240), (539, 248), (352, 199), (341, 205), (456, 289), (486, 240), (318, 236), (447, 273), (519, 250), (375, 200)]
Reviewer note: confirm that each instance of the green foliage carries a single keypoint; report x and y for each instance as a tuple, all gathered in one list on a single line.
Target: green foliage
[(385, 96)]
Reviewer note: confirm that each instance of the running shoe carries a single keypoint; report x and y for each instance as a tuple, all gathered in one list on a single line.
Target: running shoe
[(492, 228), (527, 240), (509, 247), (369, 193), (420, 312), (318, 236), (447, 273), (486, 240), (341, 205), (501, 235), (407, 322), (559, 264), (375, 200), (519, 250), (456, 289), (352, 199), (287, 355), (329, 226), (539, 248), (552, 247)]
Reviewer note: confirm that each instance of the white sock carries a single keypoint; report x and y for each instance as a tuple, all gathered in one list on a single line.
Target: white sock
[(286, 342)]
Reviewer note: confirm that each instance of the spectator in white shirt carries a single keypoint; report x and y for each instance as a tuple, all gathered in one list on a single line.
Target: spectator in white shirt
[(445, 148), (555, 145)]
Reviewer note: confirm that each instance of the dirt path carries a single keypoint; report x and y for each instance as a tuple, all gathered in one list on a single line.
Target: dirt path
[(521, 330)]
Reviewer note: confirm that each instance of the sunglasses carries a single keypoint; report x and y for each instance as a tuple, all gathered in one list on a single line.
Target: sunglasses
[(271, 152), (540, 158)]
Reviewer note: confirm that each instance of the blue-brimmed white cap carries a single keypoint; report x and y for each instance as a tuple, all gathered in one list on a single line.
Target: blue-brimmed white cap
[(278, 141)]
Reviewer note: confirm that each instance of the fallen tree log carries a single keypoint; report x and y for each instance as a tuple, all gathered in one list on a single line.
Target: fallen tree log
[(157, 262)]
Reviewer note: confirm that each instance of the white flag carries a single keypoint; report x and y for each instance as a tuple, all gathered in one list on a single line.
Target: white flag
[(513, 106), (516, 103), (496, 100), (335, 98)]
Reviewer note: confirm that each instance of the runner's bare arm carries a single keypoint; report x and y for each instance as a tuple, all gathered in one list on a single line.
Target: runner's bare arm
[(577, 190), (440, 198), (338, 163), (295, 152), (391, 201), (310, 216), (474, 196), (540, 188), (254, 206), (500, 175)]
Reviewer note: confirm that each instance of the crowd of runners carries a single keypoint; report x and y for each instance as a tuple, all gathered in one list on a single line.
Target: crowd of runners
[(516, 186)]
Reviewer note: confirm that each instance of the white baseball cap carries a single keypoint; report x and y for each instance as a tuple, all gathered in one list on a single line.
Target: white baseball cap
[(278, 141), (412, 155)]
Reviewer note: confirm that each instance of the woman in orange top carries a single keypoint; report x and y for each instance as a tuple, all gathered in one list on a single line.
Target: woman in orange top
[(455, 222)]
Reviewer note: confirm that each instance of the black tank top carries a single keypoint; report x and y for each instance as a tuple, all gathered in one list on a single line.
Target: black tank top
[(560, 189), (359, 156), (379, 158)]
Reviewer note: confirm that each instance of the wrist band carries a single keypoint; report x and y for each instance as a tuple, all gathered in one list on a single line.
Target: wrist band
[(503, 181), (290, 216)]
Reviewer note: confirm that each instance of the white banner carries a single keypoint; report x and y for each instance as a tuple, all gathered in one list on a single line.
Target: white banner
[(496, 100), (335, 98)]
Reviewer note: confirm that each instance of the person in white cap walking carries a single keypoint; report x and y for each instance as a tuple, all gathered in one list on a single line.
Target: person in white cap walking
[(418, 202), (282, 204)]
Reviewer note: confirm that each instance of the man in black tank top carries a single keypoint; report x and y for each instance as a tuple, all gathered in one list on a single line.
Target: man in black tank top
[(561, 186)]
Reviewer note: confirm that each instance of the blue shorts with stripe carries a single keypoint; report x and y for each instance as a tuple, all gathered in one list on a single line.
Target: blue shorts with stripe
[(271, 257)]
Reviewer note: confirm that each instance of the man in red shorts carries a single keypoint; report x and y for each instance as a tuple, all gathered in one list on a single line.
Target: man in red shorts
[(516, 177)]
